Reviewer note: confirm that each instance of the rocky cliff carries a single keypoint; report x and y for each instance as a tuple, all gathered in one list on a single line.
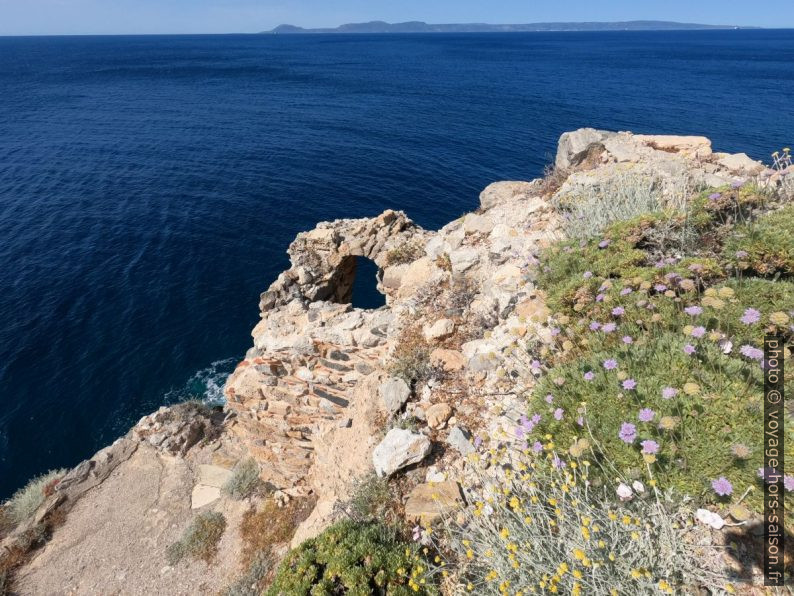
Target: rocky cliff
[(329, 393)]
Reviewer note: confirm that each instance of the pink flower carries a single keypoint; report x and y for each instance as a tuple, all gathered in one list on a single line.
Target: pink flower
[(610, 364), (649, 447), (689, 349), (558, 413), (628, 340), (646, 415), (589, 375), (750, 316), (629, 384), (618, 311), (722, 486)]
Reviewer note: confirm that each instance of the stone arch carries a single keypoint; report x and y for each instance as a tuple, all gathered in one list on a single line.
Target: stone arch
[(324, 259)]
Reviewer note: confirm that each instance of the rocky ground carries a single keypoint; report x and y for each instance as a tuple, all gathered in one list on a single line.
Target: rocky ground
[(329, 393)]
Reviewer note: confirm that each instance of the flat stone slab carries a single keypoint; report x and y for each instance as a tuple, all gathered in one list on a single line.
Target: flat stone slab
[(204, 495), (428, 502), (211, 475)]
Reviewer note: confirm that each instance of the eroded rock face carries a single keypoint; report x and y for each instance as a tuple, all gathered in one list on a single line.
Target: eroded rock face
[(323, 259)]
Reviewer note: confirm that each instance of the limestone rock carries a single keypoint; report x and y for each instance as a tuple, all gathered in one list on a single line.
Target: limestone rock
[(690, 146), (212, 475), (506, 191), (428, 502), (204, 495), (394, 393), (438, 414), (460, 440), (448, 360), (398, 449), (463, 259), (573, 146), (741, 162), (441, 329)]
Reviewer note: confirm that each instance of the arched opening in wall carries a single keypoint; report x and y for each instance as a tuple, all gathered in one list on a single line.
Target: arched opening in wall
[(365, 284)]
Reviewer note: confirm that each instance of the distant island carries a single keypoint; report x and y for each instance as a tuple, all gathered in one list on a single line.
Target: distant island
[(421, 27)]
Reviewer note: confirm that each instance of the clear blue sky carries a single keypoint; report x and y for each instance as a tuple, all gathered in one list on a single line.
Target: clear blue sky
[(23, 17)]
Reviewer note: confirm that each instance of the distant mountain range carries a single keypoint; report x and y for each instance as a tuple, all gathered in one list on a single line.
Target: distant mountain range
[(420, 27)]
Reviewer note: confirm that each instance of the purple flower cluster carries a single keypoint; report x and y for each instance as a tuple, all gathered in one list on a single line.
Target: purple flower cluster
[(693, 311), (751, 352), (628, 432), (722, 486), (629, 384), (646, 415), (750, 316), (610, 364), (649, 447)]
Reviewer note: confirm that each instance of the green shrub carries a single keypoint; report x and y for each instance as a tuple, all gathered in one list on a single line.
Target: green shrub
[(200, 539), (351, 558), (24, 503), (244, 479), (541, 528), (765, 246)]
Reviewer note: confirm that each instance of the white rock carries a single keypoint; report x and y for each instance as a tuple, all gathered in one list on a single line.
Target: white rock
[(398, 449), (216, 476), (204, 495), (463, 259), (439, 330), (573, 146), (394, 392), (741, 162)]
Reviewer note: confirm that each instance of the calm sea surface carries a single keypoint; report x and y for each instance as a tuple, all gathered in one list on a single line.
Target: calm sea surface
[(149, 186)]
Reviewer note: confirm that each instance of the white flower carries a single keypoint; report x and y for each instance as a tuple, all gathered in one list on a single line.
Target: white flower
[(726, 346), (487, 510), (624, 492), (709, 518), (638, 486)]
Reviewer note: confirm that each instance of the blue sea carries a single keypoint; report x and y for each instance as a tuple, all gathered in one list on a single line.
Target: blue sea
[(149, 186)]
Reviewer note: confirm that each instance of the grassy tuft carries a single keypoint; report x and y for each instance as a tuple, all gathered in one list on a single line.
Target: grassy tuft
[(24, 503), (411, 358), (200, 539), (244, 479)]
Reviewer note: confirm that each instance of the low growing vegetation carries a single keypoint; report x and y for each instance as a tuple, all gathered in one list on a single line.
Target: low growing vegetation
[(354, 558), (659, 355), (244, 479), (200, 539), (24, 503), (540, 526)]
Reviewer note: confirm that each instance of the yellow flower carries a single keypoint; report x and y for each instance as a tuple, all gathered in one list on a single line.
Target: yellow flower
[(726, 293), (613, 516), (578, 554), (691, 388), (665, 587), (611, 556), (710, 292), (577, 574), (730, 589), (779, 318), (636, 573), (688, 329), (626, 520)]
